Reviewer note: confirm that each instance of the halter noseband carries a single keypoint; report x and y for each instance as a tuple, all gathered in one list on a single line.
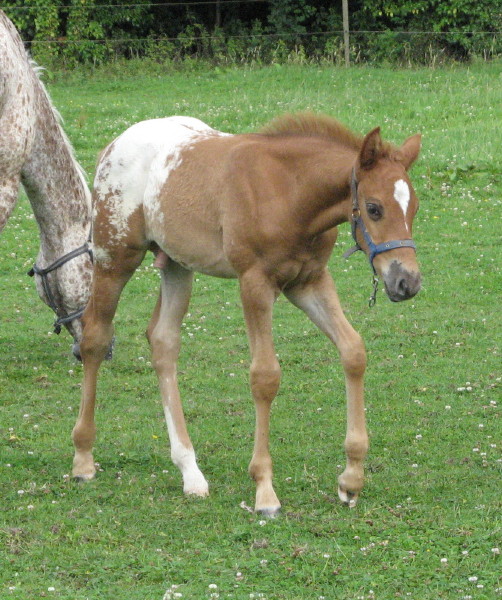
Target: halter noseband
[(45, 284), (373, 249)]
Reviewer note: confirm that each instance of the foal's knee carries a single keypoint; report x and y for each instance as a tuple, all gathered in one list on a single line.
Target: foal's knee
[(95, 341), (265, 380), (353, 356)]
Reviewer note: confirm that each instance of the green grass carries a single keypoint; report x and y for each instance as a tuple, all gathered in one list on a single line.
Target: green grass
[(433, 381)]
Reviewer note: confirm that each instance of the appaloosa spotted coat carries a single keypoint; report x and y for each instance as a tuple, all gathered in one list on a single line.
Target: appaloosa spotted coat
[(35, 151)]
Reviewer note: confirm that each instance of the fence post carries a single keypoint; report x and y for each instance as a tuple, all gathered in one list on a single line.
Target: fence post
[(345, 14), (217, 23)]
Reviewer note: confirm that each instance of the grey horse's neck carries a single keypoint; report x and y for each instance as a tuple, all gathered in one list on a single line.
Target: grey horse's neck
[(54, 182)]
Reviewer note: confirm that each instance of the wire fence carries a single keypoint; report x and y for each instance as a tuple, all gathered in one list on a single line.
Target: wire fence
[(90, 7), (252, 43), (279, 35)]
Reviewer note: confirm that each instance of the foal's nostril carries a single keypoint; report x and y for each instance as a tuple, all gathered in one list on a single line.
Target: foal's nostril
[(400, 283), (403, 287)]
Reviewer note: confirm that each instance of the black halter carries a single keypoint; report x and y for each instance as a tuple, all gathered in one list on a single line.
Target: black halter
[(373, 249), (63, 320)]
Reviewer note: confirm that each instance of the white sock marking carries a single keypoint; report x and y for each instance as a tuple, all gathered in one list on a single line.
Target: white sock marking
[(194, 481)]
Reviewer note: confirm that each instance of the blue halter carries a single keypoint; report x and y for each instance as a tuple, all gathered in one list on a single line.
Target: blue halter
[(373, 249)]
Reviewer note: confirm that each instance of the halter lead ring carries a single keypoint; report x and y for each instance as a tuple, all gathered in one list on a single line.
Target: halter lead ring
[(60, 321), (373, 249)]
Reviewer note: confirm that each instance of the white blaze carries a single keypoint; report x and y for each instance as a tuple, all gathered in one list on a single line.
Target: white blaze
[(402, 194)]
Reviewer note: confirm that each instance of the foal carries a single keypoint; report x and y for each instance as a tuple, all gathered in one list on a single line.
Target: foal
[(263, 208)]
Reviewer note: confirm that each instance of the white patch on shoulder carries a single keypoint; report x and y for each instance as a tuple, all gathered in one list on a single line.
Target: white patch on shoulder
[(402, 194)]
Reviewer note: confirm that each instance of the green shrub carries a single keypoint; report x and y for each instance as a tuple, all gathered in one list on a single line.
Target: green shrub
[(70, 32)]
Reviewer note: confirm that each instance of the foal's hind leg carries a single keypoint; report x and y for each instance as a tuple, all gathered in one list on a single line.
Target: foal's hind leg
[(320, 302), (164, 336), (97, 336)]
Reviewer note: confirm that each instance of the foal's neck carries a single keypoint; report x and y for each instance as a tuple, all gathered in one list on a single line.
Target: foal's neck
[(325, 201)]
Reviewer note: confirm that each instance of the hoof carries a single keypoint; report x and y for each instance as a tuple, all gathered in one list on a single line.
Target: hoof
[(200, 493), (84, 468), (197, 487), (268, 513), (83, 478), (348, 498)]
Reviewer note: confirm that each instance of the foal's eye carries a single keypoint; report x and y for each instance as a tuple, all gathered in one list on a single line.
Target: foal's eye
[(374, 211)]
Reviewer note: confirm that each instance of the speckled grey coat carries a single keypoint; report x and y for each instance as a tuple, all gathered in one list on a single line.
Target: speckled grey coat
[(35, 151)]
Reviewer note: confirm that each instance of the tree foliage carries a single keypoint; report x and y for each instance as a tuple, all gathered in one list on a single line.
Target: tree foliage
[(93, 31)]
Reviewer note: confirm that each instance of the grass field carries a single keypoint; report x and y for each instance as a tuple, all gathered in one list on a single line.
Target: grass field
[(428, 524)]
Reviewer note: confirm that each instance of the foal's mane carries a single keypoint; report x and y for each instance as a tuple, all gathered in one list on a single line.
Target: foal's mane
[(308, 124)]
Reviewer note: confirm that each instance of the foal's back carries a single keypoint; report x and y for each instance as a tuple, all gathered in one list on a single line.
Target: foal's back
[(213, 202)]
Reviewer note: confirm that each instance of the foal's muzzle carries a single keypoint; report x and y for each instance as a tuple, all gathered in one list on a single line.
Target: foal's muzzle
[(401, 284)]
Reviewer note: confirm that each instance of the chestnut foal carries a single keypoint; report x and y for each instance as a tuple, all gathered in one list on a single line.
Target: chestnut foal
[(263, 208)]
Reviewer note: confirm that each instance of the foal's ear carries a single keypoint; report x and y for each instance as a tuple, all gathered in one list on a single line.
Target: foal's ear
[(409, 151), (371, 149)]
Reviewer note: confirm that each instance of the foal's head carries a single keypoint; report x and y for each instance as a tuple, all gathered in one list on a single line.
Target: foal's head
[(387, 205)]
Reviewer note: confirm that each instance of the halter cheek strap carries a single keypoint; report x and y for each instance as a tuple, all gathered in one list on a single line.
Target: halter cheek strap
[(373, 249), (42, 273)]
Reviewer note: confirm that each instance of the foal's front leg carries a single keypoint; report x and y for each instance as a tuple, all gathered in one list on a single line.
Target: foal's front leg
[(258, 296), (164, 337), (95, 344), (320, 302)]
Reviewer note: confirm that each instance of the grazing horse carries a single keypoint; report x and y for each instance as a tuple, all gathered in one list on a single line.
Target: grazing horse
[(263, 208), (35, 151)]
